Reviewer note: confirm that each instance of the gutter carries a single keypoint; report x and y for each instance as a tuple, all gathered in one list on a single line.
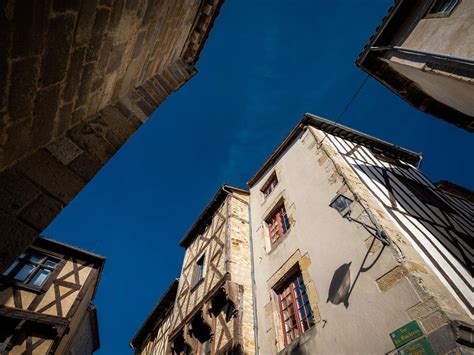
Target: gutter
[(445, 57)]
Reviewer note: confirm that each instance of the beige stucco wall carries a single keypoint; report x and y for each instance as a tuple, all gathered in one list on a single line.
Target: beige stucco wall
[(240, 266), (451, 82), (308, 182), (452, 35)]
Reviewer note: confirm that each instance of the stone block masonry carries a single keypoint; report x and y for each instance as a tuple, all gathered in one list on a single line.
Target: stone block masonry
[(77, 79)]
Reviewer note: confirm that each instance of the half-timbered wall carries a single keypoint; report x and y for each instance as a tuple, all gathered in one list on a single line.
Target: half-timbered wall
[(54, 313), (59, 298), (224, 243), (211, 244), (438, 225), (158, 342)]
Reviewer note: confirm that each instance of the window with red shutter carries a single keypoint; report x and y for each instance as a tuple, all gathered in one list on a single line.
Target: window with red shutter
[(295, 309), (278, 224)]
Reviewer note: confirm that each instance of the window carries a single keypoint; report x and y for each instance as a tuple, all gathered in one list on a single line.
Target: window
[(443, 7), (278, 224), (270, 185), (198, 274), (295, 309), (31, 269)]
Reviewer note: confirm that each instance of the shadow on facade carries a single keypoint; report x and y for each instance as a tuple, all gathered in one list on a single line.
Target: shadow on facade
[(340, 288)]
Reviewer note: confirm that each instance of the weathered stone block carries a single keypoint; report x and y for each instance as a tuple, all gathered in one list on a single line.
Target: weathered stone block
[(17, 139), (138, 45), (46, 106), (116, 58), (434, 321), (85, 22), (41, 211), (29, 25), (85, 166), (92, 142), (102, 62), (100, 24), (86, 81), (78, 116), (391, 278), (16, 191), (23, 87), (111, 119), (145, 107), (115, 15), (63, 119), (66, 5), (58, 44), (74, 74), (64, 150), (148, 96), (15, 237), (44, 170), (443, 340), (97, 83)]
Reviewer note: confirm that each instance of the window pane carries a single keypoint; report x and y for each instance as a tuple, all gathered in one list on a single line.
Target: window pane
[(24, 272), (40, 277), (35, 258), (50, 263), (12, 266)]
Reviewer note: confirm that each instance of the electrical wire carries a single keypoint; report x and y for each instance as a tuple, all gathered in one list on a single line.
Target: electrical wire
[(349, 103)]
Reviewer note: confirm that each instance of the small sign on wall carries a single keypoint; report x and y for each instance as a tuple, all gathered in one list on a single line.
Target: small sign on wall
[(405, 334), (419, 347)]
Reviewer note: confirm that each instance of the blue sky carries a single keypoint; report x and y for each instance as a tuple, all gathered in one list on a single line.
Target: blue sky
[(265, 64)]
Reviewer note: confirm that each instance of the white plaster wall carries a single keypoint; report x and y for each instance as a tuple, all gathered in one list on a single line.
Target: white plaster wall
[(330, 241)]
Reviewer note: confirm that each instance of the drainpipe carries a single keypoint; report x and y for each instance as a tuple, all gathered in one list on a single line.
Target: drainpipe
[(254, 296), (449, 58)]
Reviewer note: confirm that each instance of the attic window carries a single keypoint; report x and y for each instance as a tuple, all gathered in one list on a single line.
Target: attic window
[(270, 185), (442, 8)]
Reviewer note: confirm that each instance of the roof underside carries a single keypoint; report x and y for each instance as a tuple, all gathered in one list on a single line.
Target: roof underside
[(370, 62), (205, 217), (377, 145)]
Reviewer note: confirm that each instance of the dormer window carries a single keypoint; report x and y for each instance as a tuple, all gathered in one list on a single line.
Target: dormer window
[(270, 185)]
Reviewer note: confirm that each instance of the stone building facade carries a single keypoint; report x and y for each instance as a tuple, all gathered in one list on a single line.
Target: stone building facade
[(422, 50), (351, 250), (77, 79), (45, 301), (351, 243), (213, 305)]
